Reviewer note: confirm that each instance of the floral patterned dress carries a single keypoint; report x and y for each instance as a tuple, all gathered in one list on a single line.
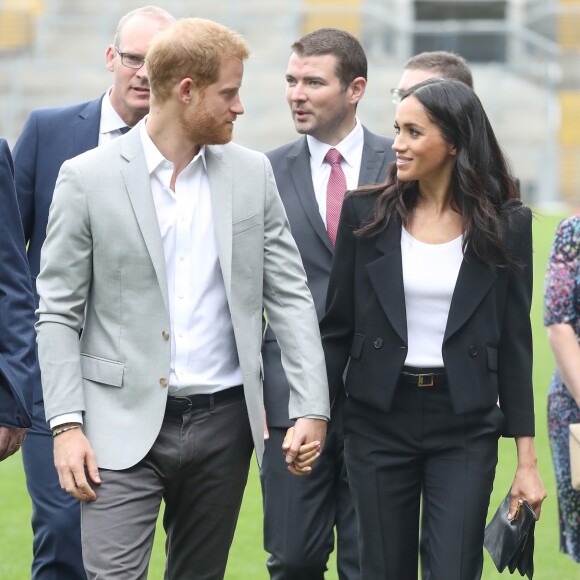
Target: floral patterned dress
[(562, 305)]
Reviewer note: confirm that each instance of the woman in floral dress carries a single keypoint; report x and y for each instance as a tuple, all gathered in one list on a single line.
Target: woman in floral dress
[(562, 322)]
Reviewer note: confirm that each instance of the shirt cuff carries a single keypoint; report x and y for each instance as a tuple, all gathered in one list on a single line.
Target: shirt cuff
[(74, 417), (321, 417)]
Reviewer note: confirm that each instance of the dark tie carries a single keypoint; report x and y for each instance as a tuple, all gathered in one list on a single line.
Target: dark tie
[(124, 130), (335, 191)]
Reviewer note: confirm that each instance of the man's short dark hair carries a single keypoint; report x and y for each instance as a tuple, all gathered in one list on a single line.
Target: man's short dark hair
[(448, 64), (350, 56)]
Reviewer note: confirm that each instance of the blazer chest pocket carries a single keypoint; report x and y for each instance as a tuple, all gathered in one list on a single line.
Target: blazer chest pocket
[(491, 358), (357, 346), (102, 370), (246, 224)]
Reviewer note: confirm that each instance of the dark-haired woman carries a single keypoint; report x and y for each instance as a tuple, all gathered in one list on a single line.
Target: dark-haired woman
[(428, 303)]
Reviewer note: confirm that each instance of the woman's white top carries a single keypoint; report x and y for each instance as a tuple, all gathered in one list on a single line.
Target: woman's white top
[(429, 275)]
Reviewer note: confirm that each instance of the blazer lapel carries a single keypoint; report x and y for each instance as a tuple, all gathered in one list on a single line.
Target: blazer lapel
[(138, 183), (299, 167), (221, 187), (386, 275), (86, 127), (473, 282)]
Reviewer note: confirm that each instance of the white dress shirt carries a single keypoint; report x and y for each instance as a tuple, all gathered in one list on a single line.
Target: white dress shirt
[(111, 123), (350, 148), (204, 357)]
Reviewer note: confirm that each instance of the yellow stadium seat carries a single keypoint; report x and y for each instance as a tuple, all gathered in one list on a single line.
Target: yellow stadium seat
[(16, 30)]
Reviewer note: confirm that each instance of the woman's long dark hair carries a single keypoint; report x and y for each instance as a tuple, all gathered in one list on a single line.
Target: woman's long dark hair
[(482, 186)]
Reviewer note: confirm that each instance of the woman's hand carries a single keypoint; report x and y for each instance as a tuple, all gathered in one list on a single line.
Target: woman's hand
[(527, 482)]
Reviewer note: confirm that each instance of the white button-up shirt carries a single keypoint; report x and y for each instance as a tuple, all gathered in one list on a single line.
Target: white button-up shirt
[(111, 123), (203, 349)]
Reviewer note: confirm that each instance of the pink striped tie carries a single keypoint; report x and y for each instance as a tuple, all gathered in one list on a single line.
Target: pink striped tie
[(335, 191)]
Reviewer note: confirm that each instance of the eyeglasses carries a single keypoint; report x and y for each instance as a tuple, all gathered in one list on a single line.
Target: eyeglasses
[(396, 95), (130, 60)]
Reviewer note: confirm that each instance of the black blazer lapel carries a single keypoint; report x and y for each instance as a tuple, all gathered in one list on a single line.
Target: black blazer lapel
[(299, 168), (474, 281), (386, 275)]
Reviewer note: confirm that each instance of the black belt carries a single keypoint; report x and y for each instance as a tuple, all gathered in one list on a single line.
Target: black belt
[(424, 378), (180, 405)]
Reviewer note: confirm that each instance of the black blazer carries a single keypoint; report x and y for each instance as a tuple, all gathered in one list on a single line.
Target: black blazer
[(487, 346), (291, 165)]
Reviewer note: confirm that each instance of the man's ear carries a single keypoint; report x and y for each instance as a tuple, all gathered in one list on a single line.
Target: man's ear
[(110, 57), (186, 90), (357, 88)]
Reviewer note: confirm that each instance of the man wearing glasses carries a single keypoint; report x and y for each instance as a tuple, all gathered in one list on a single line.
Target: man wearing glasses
[(326, 79), (50, 137), (426, 65)]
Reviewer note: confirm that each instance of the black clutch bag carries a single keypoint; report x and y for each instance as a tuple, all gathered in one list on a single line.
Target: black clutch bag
[(511, 544)]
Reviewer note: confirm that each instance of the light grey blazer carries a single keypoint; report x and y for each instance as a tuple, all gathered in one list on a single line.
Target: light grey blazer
[(103, 271)]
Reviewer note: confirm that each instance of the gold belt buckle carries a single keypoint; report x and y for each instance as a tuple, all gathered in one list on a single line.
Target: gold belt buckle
[(422, 380)]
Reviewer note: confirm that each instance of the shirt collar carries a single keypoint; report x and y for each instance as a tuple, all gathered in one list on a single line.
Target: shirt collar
[(110, 119), (154, 158), (347, 147)]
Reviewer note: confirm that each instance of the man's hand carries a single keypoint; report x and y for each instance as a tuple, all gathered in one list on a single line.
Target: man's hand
[(303, 444), (11, 439), (72, 454)]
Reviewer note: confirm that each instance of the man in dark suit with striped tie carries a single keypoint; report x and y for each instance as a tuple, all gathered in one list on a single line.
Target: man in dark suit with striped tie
[(326, 78)]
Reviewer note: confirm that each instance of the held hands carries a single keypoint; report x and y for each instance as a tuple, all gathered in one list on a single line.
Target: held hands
[(303, 444), (11, 439), (74, 460)]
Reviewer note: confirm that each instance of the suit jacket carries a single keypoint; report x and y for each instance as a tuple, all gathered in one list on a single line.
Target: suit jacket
[(487, 345), (291, 165), (103, 270), (17, 352), (48, 139)]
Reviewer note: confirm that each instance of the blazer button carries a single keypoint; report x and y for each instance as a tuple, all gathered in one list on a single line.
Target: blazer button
[(378, 342), (165, 335), (163, 382), (473, 351)]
